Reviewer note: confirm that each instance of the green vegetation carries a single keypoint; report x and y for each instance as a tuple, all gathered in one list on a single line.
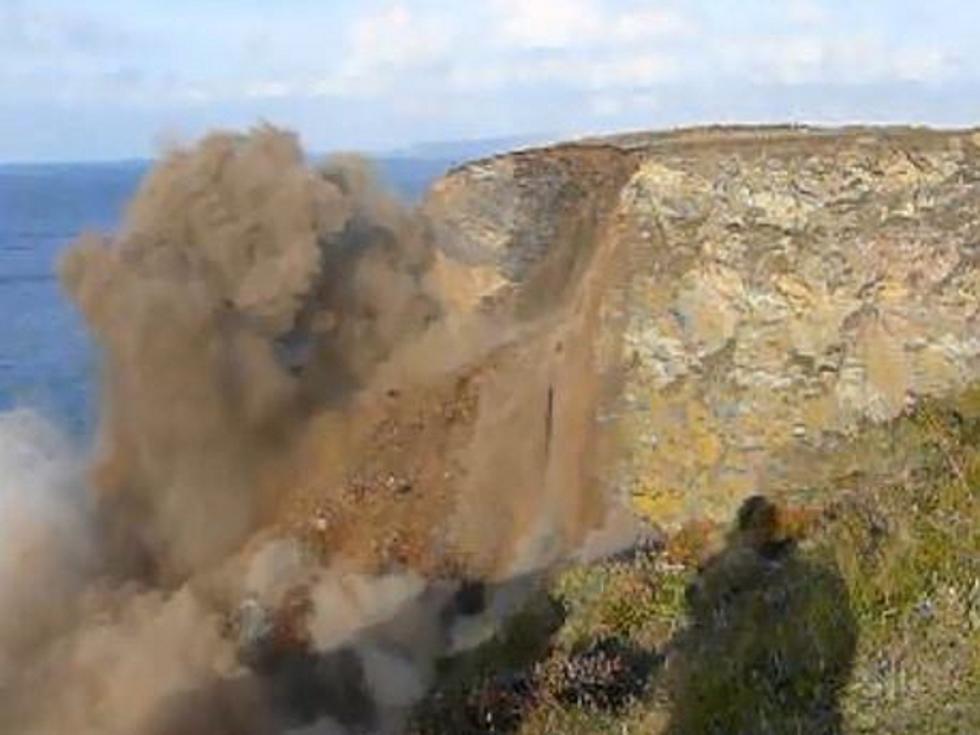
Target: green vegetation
[(860, 614)]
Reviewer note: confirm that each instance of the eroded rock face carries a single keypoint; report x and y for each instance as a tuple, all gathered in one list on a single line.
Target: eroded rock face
[(767, 291), (522, 227)]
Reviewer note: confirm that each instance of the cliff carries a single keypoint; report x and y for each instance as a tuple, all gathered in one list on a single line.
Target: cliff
[(755, 296)]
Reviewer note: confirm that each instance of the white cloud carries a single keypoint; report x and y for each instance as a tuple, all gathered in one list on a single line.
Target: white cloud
[(612, 53), (635, 70), (398, 37), (593, 47), (572, 43), (807, 12), (839, 60), (562, 24), (26, 28), (642, 24), (384, 46), (548, 23)]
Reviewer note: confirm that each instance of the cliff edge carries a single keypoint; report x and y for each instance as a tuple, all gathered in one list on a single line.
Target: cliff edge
[(764, 292)]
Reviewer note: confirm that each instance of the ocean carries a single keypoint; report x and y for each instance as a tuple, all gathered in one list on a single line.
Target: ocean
[(47, 361)]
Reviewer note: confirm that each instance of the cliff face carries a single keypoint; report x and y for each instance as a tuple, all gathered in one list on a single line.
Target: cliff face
[(756, 295)]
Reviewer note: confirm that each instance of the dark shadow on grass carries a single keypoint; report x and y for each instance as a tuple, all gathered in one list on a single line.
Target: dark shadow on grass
[(771, 639)]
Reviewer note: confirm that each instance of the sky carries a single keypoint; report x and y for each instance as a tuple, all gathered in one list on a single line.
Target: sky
[(111, 79)]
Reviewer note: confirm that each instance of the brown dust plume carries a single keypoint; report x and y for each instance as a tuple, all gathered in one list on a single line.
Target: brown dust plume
[(314, 475)]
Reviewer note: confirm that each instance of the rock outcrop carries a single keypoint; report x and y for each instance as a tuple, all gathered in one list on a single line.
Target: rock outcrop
[(764, 292)]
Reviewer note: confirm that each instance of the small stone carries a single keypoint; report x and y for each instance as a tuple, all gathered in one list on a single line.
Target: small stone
[(925, 608)]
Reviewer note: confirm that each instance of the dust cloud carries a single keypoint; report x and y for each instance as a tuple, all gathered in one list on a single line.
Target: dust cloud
[(312, 478)]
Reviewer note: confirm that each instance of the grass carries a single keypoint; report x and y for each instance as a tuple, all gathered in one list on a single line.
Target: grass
[(864, 618)]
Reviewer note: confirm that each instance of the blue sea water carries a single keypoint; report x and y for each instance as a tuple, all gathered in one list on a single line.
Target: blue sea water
[(47, 361)]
